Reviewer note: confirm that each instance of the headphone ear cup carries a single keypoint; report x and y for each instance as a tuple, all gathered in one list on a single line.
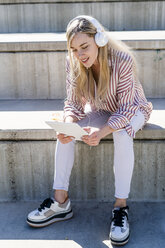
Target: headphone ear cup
[(101, 39)]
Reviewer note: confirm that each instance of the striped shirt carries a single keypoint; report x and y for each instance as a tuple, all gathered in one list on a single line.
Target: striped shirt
[(124, 97)]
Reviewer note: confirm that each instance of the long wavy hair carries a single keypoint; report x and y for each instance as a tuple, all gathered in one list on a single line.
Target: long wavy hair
[(83, 77)]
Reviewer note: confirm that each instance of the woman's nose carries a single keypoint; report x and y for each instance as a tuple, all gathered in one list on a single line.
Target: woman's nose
[(80, 53)]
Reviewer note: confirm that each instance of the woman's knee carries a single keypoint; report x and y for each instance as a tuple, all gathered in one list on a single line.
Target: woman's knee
[(122, 138)]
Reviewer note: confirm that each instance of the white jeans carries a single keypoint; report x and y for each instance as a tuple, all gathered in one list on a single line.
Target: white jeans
[(123, 154)]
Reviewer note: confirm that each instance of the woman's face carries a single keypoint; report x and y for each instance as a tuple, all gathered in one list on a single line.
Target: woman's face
[(85, 49)]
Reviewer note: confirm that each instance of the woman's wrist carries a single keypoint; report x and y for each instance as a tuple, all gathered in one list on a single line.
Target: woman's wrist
[(70, 119), (106, 130)]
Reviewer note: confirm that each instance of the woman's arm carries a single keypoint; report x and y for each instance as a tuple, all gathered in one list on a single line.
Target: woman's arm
[(125, 99), (125, 95), (70, 118), (95, 135)]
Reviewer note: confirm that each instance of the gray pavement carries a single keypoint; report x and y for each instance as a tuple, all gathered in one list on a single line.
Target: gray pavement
[(88, 229)]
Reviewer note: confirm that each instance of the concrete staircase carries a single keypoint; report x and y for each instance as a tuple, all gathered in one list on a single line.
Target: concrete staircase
[(53, 15), (32, 87)]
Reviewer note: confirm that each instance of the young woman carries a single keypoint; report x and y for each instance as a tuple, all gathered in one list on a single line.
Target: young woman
[(101, 74)]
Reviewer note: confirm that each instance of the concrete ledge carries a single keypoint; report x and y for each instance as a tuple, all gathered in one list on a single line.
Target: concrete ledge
[(53, 16), (24, 120), (69, 1), (25, 42), (27, 147), (32, 66), (27, 169)]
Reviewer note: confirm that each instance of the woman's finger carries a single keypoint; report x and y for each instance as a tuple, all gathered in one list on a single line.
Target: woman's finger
[(64, 139), (87, 129)]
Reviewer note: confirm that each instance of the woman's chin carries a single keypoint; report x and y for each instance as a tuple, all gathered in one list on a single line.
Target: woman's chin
[(88, 65)]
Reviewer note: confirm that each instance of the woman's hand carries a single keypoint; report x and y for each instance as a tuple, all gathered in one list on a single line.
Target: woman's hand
[(96, 134), (94, 137), (64, 139)]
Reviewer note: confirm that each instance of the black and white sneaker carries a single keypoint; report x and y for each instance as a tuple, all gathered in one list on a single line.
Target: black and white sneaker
[(119, 230), (49, 212)]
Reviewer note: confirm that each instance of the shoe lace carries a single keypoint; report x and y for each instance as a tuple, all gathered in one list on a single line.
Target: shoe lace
[(119, 215), (45, 204)]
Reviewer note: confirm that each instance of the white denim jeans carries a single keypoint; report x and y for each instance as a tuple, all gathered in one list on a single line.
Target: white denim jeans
[(123, 154)]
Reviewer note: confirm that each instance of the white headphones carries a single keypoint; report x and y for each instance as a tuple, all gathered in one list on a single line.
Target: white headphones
[(101, 38)]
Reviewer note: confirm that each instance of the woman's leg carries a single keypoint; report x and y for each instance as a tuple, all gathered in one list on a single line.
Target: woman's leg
[(64, 159), (124, 160), (123, 168), (64, 156)]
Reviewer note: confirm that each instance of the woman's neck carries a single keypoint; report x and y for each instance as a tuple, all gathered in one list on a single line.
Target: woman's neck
[(96, 72)]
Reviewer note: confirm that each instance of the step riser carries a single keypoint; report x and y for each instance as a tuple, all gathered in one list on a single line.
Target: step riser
[(48, 17), (41, 75), (27, 171), (32, 75)]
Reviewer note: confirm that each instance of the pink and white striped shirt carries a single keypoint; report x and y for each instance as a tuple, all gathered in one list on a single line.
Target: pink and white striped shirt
[(124, 97)]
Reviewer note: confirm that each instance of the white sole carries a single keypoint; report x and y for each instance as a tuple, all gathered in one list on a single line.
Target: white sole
[(113, 242), (67, 217)]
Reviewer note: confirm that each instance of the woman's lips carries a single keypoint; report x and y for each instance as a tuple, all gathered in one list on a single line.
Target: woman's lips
[(84, 61)]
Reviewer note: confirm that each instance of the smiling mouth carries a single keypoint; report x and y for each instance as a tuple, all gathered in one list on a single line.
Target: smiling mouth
[(84, 60)]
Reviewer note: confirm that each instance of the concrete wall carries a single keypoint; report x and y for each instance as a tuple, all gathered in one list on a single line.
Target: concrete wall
[(69, 1), (151, 72), (27, 171), (41, 75), (51, 17), (37, 75)]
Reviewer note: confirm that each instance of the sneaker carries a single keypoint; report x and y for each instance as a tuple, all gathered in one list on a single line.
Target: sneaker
[(49, 212), (119, 230)]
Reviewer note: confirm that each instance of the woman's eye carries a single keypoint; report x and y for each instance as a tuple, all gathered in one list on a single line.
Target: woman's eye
[(74, 50)]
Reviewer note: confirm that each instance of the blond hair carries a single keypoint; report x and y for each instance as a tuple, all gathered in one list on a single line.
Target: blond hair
[(83, 77)]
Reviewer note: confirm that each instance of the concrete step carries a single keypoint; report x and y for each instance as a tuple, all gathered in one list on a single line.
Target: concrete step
[(27, 148), (32, 66), (53, 15), (88, 229)]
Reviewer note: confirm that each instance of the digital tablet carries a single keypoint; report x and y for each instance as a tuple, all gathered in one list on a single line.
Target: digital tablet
[(70, 129)]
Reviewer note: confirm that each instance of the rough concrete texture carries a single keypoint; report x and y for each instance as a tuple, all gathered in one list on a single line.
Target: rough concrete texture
[(88, 229), (42, 75), (33, 67), (25, 120), (32, 75), (57, 41), (27, 171), (65, 1), (52, 17), (27, 159)]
